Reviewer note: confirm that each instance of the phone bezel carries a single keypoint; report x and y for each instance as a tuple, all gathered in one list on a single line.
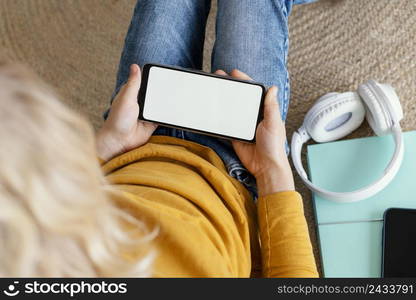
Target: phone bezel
[(386, 214), (142, 99)]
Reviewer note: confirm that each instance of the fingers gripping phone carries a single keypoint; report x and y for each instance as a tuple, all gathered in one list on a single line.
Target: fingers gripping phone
[(201, 102), (399, 243)]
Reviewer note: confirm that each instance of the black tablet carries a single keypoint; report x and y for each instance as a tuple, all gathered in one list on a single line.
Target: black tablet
[(201, 102), (399, 243)]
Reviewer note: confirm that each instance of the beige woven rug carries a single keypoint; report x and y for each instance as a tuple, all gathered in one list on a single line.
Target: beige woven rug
[(335, 45)]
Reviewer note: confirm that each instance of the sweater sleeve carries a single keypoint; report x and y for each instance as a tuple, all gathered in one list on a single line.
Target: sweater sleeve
[(285, 242)]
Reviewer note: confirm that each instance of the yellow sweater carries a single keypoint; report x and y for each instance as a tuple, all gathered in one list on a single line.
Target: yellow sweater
[(209, 225)]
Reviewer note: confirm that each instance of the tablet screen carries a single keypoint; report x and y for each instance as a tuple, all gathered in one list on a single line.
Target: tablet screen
[(399, 243), (200, 102)]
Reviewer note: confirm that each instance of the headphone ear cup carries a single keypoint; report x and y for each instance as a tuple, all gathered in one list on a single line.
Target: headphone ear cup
[(334, 116), (375, 114), (382, 105)]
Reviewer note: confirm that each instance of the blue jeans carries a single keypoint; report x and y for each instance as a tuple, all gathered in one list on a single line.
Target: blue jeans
[(251, 35)]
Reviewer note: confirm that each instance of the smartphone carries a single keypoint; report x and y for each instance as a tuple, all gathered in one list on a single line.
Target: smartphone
[(399, 243), (201, 102)]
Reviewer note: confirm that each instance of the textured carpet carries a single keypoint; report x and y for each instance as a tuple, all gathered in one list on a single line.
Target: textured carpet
[(335, 45)]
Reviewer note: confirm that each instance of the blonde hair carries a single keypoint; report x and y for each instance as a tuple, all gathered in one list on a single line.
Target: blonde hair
[(57, 215)]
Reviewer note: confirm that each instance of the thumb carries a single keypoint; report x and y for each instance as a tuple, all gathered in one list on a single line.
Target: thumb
[(133, 83), (271, 107), (125, 105)]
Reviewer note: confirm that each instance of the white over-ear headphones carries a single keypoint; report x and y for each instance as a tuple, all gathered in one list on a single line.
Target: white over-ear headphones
[(336, 115)]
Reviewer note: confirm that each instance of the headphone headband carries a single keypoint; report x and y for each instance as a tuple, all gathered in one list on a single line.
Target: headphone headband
[(301, 136)]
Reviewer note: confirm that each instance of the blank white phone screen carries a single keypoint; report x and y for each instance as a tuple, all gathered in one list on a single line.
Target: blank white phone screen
[(201, 102)]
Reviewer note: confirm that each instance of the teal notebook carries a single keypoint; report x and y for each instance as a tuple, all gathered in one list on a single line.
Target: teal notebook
[(350, 234)]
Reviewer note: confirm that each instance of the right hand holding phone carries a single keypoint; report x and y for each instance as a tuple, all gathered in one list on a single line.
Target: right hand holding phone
[(266, 159)]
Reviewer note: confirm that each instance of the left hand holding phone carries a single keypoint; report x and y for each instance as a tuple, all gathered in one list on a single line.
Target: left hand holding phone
[(122, 131)]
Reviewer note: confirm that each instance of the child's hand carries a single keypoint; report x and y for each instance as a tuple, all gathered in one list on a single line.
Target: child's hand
[(122, 131), (266, 159)]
